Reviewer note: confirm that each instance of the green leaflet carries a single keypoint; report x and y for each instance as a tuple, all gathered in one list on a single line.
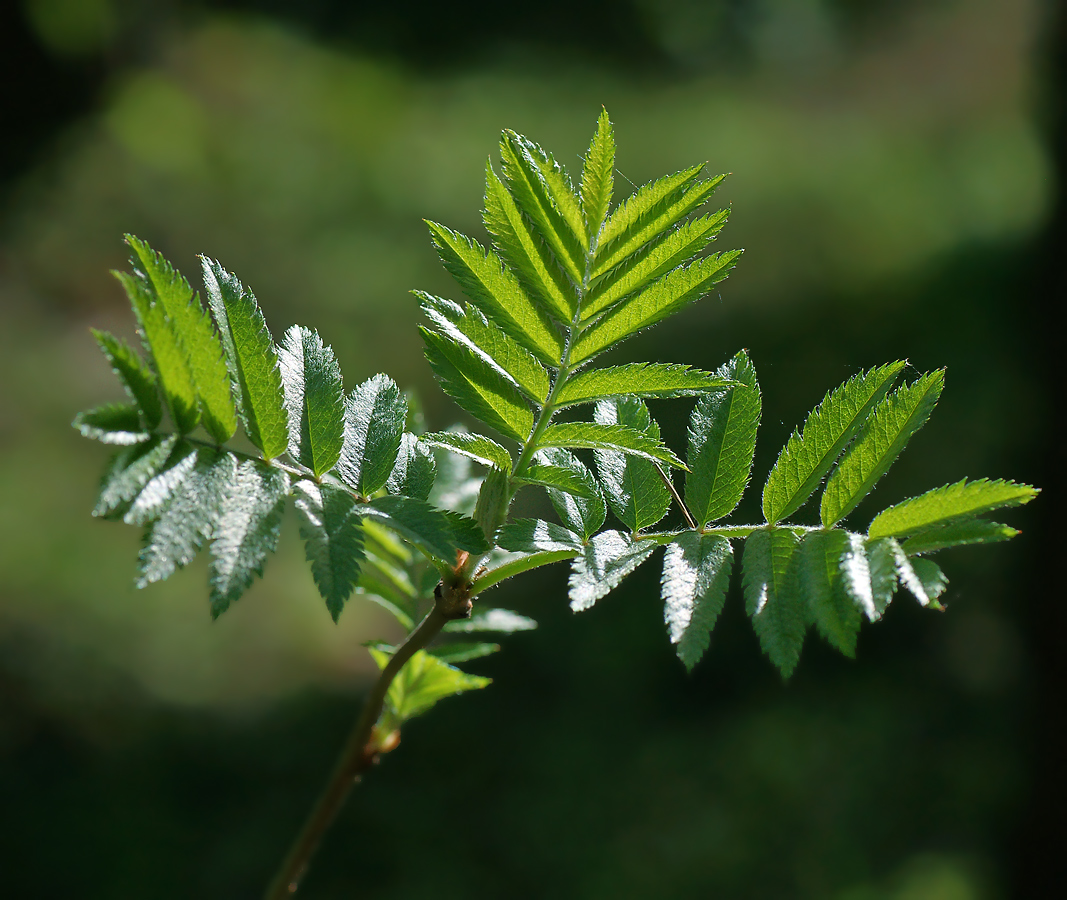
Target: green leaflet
[(696, 576), (130, 470), (517, 241), (503, 621), (958, 534), (809, 454), (543, 192), (722, 441), (676, 247), (881, 441), (135, 376), (659, 300), (168, 358), (946, 504), (333, 540), (457, 653), (832, 584), (556, 477), (598, 178), (455, 488), (251, 359), (772, 601), (159, 489), (581, 514), (604, 562), (314, 397), (473, 446), (249, 522), (659, 380), (535, 535), (922, 577), (516, 564), (477, 387), (190, 517), (633, 486), (495, 290), (882, 565), (375, 413), (112, 423), (423, 681), (438, 533), (195, 336), (594, 436), (649, 213), (487, 340), (415, 469)]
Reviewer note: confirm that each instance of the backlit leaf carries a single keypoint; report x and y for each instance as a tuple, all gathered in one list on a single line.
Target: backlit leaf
[(503, 621), (660, 380), (314, 398), (776, 607), (958, 534), (594, 436), (333, 540), (415, 469), (604, 562), (112, 423), (696, 576), (135, 376), (633, 485), (473, 446), (375, 413), (423, 681), (581, 514), (533, 535), (129, 472), (598, 177)]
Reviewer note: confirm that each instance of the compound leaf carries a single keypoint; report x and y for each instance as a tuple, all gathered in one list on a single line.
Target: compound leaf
[(333, 540), (633, 485), (722, 441), (810, 453), (595, 436), (598, 178), (135, 376), (659, 380), (375, 413), (112, 423), (884, 436), (474, 446), (775, 606), (581, 513), (604, 562), (696, 575), (415, 469), (314, 397)]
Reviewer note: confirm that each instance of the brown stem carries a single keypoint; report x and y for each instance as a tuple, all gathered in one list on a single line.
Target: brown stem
[(360, 752)]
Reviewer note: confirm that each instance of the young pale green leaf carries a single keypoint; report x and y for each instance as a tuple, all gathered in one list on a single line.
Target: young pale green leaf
[(947, 504), (582, 513), (535, 535), (885, 434), (882, 565), (776, 607), (249, 523), (375, 413), (651, 212), (659, 380), (502, 621), (463, 652), (168, 359), (415, 469), (477, 387), (821, 583), (515, 564), (604, 562), (423, 681), (594, 436), (438, 533), (633, 485), (598, 176), (515, 237), (314, 397), (696, 576), (675, 248), (333, 540), (661, 299), (488, 341), (251, 358), (194, 334), (473, 446), (112, 423), (722, 441), (135, 376), (958, 534), (555, 477), (543, 192), (129, 472), (495, 290), (810, 453), (160, 488), (190, 517)]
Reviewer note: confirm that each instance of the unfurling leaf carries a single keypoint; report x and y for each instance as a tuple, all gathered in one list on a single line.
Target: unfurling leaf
[(696, 575)]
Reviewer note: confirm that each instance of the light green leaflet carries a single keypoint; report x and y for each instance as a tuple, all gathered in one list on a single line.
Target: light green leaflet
[(591, 436), (884, 436), (556, 477), (602, 565), (333, 540), (829, 596), (473, 446), (415, 470), (314, 398), (503, 621), (375, 413), (633, 486), (946, 504), (598, 178), (423, 681), (772, 601), (251, 358), (958, 534), (113, 423), (581, 514), (722, 441), (659, 380), (696, 576), (810, 453), (194, 335), (135, 376)]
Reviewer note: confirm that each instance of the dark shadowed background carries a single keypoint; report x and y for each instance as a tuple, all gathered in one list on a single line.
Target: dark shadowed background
[(897, 186)]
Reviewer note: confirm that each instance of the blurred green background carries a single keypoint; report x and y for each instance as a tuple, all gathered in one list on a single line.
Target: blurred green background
[(896, 176)]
